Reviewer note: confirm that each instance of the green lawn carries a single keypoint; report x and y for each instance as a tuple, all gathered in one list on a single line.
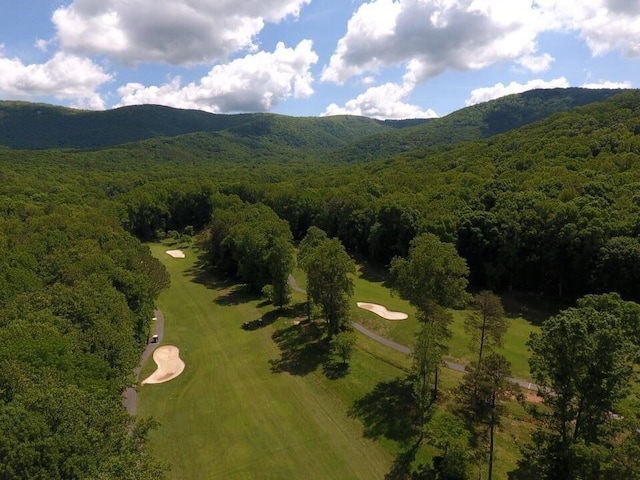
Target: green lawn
[(244, 408), (370, 287)]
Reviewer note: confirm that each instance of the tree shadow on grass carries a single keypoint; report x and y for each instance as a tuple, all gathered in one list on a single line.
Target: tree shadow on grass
[(334, 369), (211, 278), (534, 308), (237, 295), (401, 468), (372, 272), (387, 411), (302, 349)]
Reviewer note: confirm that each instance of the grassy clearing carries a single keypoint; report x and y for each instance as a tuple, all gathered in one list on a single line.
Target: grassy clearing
[(371, 286), (245, 407)]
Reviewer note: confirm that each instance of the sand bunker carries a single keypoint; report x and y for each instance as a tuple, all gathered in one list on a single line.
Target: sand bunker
[(382, 311), (175, 253), (170, 365)]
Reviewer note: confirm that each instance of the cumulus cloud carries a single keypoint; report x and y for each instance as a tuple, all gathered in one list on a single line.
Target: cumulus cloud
[(64, 76), (179, 32), (257, 82), (607, 84), (485, 94), (438, 35), (434, 36), (383, 102), (536, 63)]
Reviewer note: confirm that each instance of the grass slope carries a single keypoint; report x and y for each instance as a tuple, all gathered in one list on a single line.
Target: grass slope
[(230, 415)]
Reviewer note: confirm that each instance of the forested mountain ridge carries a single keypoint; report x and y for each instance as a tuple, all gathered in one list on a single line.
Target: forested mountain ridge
[(475, 122), (39, 126)]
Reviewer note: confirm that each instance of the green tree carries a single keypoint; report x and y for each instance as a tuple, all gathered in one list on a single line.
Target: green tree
[(583, 361), (314, 237), (330, 273), (483, 388), (448, 433), (343, 344), (432, 274), (281, 260), (432, 277), (487, 324), (426, 356)]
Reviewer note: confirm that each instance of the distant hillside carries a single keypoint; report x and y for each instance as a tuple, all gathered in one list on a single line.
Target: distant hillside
[(341, 138), (38, 126), (476, 122)]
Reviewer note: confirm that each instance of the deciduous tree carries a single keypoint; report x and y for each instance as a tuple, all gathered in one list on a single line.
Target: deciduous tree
[(329, 272), (487, 324)]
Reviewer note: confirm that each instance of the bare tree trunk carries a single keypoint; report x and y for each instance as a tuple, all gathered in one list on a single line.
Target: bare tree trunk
[(434, 396), (491, 428)]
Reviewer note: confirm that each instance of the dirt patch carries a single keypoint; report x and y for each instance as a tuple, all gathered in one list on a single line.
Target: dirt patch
[(175, 253), (382, 311), (532, 397), (170, 365)]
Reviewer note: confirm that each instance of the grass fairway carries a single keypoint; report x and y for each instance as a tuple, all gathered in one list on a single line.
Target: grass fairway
[(239, 410)]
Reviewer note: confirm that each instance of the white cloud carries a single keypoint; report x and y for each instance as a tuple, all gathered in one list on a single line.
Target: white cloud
[(42, 45), (480, 95), (607, 84), (257, 82), (434, 35), (438, 35), (536, 63), (605, 25), (179, 32), (65, 76), (382, 102)]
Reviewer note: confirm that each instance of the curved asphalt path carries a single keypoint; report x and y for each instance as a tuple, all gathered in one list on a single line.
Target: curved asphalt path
[(404, 349), (130, 396)]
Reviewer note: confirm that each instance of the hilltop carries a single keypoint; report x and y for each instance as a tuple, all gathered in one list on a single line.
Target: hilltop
[(34, 126)]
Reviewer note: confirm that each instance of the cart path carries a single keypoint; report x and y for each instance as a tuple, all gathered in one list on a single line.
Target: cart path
[(406, 350), (130, 395)]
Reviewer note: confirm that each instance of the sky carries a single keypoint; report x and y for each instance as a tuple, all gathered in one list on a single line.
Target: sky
[(387, 59)]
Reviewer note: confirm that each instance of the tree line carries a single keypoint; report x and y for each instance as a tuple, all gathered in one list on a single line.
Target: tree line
[(77, 294)]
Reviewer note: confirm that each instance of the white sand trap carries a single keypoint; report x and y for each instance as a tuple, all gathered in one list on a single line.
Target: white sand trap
[(175, 253), (382, 311), (170, 365)]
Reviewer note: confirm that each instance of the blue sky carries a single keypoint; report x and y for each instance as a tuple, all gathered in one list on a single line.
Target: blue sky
[(378, 58)]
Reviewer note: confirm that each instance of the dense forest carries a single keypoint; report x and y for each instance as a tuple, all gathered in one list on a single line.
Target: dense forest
[(552, 207)]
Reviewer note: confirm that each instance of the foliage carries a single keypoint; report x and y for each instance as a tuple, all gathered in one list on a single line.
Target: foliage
[(76, 303), (432, 274), (487, 324), (329, 272), (485, 386), (343, 344), (583, 362)]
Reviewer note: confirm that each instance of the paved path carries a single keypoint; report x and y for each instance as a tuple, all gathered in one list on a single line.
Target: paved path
[(130, 396), (404, 349), (294, 285)]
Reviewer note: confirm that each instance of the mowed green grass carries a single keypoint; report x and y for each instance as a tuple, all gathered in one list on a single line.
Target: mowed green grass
[(371, 285), (230, 415)]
